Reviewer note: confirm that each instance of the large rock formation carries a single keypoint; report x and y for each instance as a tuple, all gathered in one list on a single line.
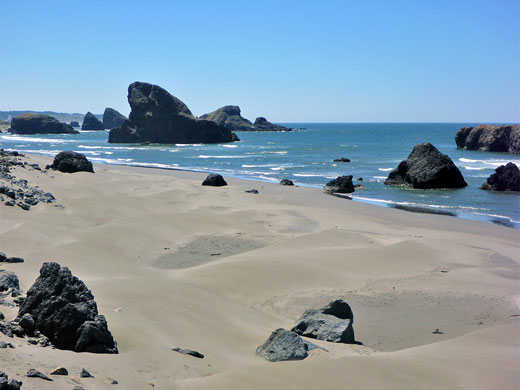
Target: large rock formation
[(39, 124), (70, 162), (490, 138), (330, 323), (91, 122), (505, 178), (340, 185), (262, 124), (426, 168), (64, 310), (230, 117), (160, 117), (284, 345), (112, 118)]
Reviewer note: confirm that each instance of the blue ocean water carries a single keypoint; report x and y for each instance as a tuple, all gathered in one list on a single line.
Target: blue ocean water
[(305, 156)]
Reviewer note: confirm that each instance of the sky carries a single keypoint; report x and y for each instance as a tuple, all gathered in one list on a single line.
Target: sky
[(290, 61)]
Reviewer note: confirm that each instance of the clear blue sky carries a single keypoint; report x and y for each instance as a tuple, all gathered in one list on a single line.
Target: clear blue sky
[(293, 61)]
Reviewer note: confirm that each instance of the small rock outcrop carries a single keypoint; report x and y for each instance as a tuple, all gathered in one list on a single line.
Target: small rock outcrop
[(159, 117), (214, 180), (112, 118), (8, 280), (64, 310), (426, 168), (39, 124), (342, 159), (91, 122), (284, 345), (74, 124), (6, 384), (262, 124), (71, 162), (59, 371), (490, 138), (330, 323), (189, 352), (505, 178), (230, 117), (286, 182), (85, 374), (340, 185), (32, 373)]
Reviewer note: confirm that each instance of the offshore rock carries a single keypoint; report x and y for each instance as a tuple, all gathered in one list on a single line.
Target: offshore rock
[(71, 162), (490, 138), (39, 124), (159, 117), (426, 168), (74, 124), (230, 117), (262, 124), (112, 118), (340, 185), (505, 178), (91, 122)]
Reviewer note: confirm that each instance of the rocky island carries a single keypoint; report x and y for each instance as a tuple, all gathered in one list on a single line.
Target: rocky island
[(262, 124), (112, 118), (230, 116), (91, 122), (159, 117), (490, 138), (30, 123)]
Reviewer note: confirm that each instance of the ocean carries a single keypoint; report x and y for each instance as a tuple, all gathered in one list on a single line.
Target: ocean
[(306, 156)]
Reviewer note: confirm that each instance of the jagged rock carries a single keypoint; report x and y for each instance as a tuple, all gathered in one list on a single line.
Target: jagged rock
[(74, 124), (32, 373), (342, 159), (284, 345), (85, 374), (91, 122), (340, 185), (39, 124), (490, 138), (330, 323), (6, 384), (286, 182), (159, 117), (2, 256), (214, 180), (70, 162), (9, 203), (426, 168), (27, 323), (262, 124), (112, 118), (189, 352), (230, 117), (60, 371), (8, 280), (1, 316), (64, 310), (505, 178)]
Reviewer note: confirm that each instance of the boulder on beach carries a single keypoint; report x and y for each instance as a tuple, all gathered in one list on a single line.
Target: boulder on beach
[(284, 345), (91, 122), (214, 180), (426, 168), (74, 124), (30, 123), (340, 185), (262, 124), (159, 117), (505, 178), (286, 182), (71, 162), (490, 138), (8, 280), (112, 118), (230, 117), (64, 310), (6, 384), (330, 323)]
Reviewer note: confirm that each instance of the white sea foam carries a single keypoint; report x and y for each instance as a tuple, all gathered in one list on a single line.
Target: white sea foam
[(188, 144), (277, 169), (380, 177), (384, 169), (206, 156), (35, 139), (229, 146), (306, 175), (475, 168)]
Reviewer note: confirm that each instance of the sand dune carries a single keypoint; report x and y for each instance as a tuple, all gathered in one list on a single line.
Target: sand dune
[(172, 263)]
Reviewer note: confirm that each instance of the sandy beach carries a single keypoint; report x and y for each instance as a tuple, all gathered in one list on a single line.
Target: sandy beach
[(174, 264)]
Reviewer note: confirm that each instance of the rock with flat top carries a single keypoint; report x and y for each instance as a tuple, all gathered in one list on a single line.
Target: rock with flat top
[(490, 138), (30, 123)]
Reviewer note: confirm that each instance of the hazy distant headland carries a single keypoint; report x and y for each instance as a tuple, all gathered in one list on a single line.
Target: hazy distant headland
[(61, 116)]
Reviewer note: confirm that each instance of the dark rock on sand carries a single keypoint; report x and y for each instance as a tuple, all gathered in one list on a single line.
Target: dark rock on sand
[(426, 168), (85, 374), (4, 345), (32, 373), (505, 178), (490, 138), (214, 180), (189, 352), (14, 260), (8, 280), (284, 345), (74, 124), (6, 384), (330, 323), (70, 162), (112, 118), (230, 117), (262, 124), (159, 117), (340, 185), (64, 310), (3, 256), (286, 182), (91, 122), (342, 159), (60, 371), (252, 191), (39, 124)]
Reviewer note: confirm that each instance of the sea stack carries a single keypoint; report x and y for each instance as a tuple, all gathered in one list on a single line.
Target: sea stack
[(230, 117), (112, 118), (91, 122), (505, 178), (30, 123), (426, 168), (490, 138), (262, 124), (159, 117)]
